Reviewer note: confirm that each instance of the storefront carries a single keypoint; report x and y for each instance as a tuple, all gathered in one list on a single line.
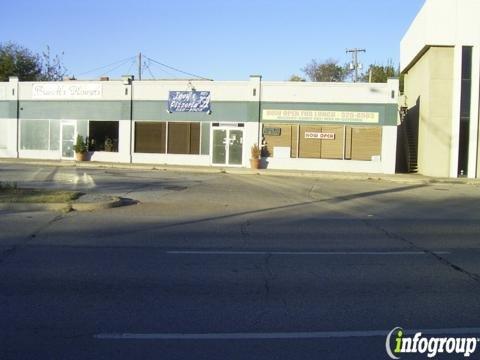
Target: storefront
[(307, 126)]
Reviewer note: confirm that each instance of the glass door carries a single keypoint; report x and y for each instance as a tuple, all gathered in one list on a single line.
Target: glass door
[(227, 147), (235, 147), (68, 140), (219, 153)]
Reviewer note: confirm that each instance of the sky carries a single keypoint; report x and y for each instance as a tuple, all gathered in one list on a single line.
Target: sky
[(216, 39)]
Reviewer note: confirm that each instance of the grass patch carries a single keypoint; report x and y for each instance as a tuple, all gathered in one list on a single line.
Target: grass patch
[(12, 194)]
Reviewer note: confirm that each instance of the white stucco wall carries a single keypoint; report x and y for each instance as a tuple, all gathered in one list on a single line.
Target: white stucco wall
[(450, 23), (318, 92), (8, 92)]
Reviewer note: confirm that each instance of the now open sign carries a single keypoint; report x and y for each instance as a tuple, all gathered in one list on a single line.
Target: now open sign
[(319, 136)]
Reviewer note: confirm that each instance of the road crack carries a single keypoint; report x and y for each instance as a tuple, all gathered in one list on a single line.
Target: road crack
[(244, 232), (473, 276), (12, 250)]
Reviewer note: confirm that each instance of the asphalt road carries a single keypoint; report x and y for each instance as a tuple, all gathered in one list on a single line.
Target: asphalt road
[(218, 266)]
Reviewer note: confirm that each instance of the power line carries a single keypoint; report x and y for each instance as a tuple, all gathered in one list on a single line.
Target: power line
[(106, 66), (175, 69), (130, 67), (149, 70), (114, 68), (167, 72)]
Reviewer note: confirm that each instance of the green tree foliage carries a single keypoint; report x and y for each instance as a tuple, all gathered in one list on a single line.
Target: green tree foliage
[(16, 60), (295, 77), (379, 73), (329, 71)]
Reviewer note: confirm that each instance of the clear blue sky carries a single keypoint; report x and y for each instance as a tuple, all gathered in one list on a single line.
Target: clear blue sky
[(219, 39)]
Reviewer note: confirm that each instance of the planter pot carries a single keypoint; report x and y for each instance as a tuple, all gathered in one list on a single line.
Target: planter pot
[(255, 163), (81, 156)]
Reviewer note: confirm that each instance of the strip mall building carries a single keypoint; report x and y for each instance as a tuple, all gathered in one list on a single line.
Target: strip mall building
[(305, 126)]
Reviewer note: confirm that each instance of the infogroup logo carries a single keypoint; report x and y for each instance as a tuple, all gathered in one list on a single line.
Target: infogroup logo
[(397, 344)]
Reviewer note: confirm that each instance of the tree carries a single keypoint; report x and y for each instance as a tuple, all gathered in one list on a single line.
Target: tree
[(295, 77), (52, 67), (16, 60), (328, 71), (379, 73)]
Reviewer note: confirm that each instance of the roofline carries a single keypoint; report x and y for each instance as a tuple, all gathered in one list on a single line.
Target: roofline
[(420, 55)]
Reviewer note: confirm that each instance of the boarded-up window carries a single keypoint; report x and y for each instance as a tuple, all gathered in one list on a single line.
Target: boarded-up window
[(321, 142), (280, 136), (363, 143), (183, 138), (150, 137), (309, 147), (332, 146)]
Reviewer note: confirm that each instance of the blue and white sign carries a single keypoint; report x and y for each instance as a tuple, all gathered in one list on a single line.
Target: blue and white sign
[(189, 101)]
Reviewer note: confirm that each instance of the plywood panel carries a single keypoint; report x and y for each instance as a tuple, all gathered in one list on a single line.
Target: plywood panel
[(366, 142), (332, 149), (284, 140), (309, 148)]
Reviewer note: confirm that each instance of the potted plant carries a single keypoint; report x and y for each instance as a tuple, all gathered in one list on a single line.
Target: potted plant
[(109, 146), (80, 149), (255, 154)]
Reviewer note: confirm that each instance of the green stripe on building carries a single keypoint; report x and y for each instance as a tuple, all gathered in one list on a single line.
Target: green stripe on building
[(224, 111), (81, 110)]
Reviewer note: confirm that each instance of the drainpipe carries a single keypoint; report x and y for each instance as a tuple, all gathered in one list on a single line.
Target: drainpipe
[(257, 80), (15, 89), (128, 82)]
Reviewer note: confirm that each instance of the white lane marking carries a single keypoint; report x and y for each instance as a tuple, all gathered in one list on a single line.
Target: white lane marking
[(304, 253), (33, 177), (280, 335), (85, 180)]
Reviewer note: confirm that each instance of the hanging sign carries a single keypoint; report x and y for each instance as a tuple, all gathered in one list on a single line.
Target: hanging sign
[(189, 101)]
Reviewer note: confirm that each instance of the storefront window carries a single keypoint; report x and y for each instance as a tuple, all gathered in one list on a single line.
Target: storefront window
[(363, 143), (35, 134), (150, 137), (277, 135), (54, 134), (183, 138), (321, 142), (324, 141), (103, 136), (3, 134)]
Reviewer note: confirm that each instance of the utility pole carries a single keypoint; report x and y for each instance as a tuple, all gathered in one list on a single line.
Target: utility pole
[(355, 65), (139, 66)]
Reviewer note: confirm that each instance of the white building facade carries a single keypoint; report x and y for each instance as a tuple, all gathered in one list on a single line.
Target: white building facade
[(304, 126), (440, 58)]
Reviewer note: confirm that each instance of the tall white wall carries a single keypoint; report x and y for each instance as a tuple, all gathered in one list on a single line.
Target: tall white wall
[(9, 92), (450, 23), (334, 93)]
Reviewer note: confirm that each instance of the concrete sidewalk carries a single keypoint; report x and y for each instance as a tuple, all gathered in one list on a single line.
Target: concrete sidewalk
[(400, 178)]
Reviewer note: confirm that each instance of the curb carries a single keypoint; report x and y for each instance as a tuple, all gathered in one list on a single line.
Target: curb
[(101, 205), (63, 207)]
